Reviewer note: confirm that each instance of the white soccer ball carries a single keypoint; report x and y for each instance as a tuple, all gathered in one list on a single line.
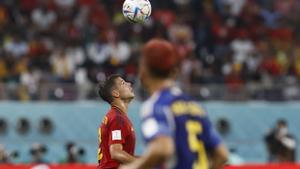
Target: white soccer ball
[(137, 11)]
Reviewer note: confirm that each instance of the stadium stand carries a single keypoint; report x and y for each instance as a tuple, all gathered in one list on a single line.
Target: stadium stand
[(252, 43)]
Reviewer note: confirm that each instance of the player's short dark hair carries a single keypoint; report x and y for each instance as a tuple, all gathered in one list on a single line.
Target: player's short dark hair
[(105, 88), (160, 57)]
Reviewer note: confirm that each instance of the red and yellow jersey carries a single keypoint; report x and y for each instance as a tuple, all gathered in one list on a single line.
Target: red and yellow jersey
[(115, 128)]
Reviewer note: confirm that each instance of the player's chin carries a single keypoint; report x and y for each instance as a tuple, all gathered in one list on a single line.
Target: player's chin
[(132, 96)]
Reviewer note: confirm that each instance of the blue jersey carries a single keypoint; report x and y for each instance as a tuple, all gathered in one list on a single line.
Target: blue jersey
[(172, 113)]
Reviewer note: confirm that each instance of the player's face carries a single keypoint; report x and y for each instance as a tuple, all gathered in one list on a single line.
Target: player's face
[(124, 89)]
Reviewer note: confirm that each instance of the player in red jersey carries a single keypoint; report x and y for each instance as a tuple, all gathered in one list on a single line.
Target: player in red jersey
[(116, 134)]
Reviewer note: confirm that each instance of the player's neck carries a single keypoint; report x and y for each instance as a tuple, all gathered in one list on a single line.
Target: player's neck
[(157, 85), (121, 105)]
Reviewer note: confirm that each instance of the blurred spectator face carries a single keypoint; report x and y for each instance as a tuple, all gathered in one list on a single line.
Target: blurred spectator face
[(281, 124), (37, 152), (281, 128), (74, 153)]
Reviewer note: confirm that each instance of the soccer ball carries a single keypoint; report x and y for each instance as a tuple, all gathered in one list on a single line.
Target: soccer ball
[(137, 11)]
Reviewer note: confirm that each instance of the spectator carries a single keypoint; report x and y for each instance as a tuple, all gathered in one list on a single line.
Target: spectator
[(30, 80), (97, 50), (75, 154), (7, 157), (270, 16), (118, 50), (37, 152), (76, 53), (281, 145), (16, 46), (235, 5), (242, 47), (43, 18), (192, 70), (181, 35), (62, 65), (4, 157)]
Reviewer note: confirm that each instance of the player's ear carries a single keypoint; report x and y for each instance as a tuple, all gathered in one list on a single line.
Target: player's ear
[(115, 93)]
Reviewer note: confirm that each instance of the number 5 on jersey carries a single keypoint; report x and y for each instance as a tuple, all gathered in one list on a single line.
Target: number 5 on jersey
[(194, 128)]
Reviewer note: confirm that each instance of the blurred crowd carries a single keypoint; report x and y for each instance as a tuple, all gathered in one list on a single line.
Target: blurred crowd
[(38, 152), (230, 42)]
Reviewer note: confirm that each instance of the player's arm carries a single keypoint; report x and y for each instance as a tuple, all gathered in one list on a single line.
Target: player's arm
[(158, 151), (219, 153), (158, 130), (219, 157), (117, 138), (117, 153)]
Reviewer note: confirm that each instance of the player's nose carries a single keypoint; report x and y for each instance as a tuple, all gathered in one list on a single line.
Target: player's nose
[(128, 84)]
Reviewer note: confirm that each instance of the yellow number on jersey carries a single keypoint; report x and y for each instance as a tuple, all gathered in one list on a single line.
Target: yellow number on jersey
[(100, 155), (194, 128)]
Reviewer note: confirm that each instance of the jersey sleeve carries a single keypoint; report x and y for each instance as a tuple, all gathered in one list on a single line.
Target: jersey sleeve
[(117, 130), (211, 137), (157, 122)]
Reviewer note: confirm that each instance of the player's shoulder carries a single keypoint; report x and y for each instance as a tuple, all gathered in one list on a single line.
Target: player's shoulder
[(113, 114), (110, 114), (178, 102), (148, 106), (170, 95), (160, 100)]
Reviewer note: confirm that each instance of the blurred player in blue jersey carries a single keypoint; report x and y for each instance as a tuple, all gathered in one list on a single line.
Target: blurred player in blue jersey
[(176, 128)]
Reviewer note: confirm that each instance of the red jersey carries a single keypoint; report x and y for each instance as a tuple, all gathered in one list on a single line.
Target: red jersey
[(115, 128)]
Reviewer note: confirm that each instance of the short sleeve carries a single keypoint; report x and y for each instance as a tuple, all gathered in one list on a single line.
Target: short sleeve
[(117, 130), (157, 123)]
